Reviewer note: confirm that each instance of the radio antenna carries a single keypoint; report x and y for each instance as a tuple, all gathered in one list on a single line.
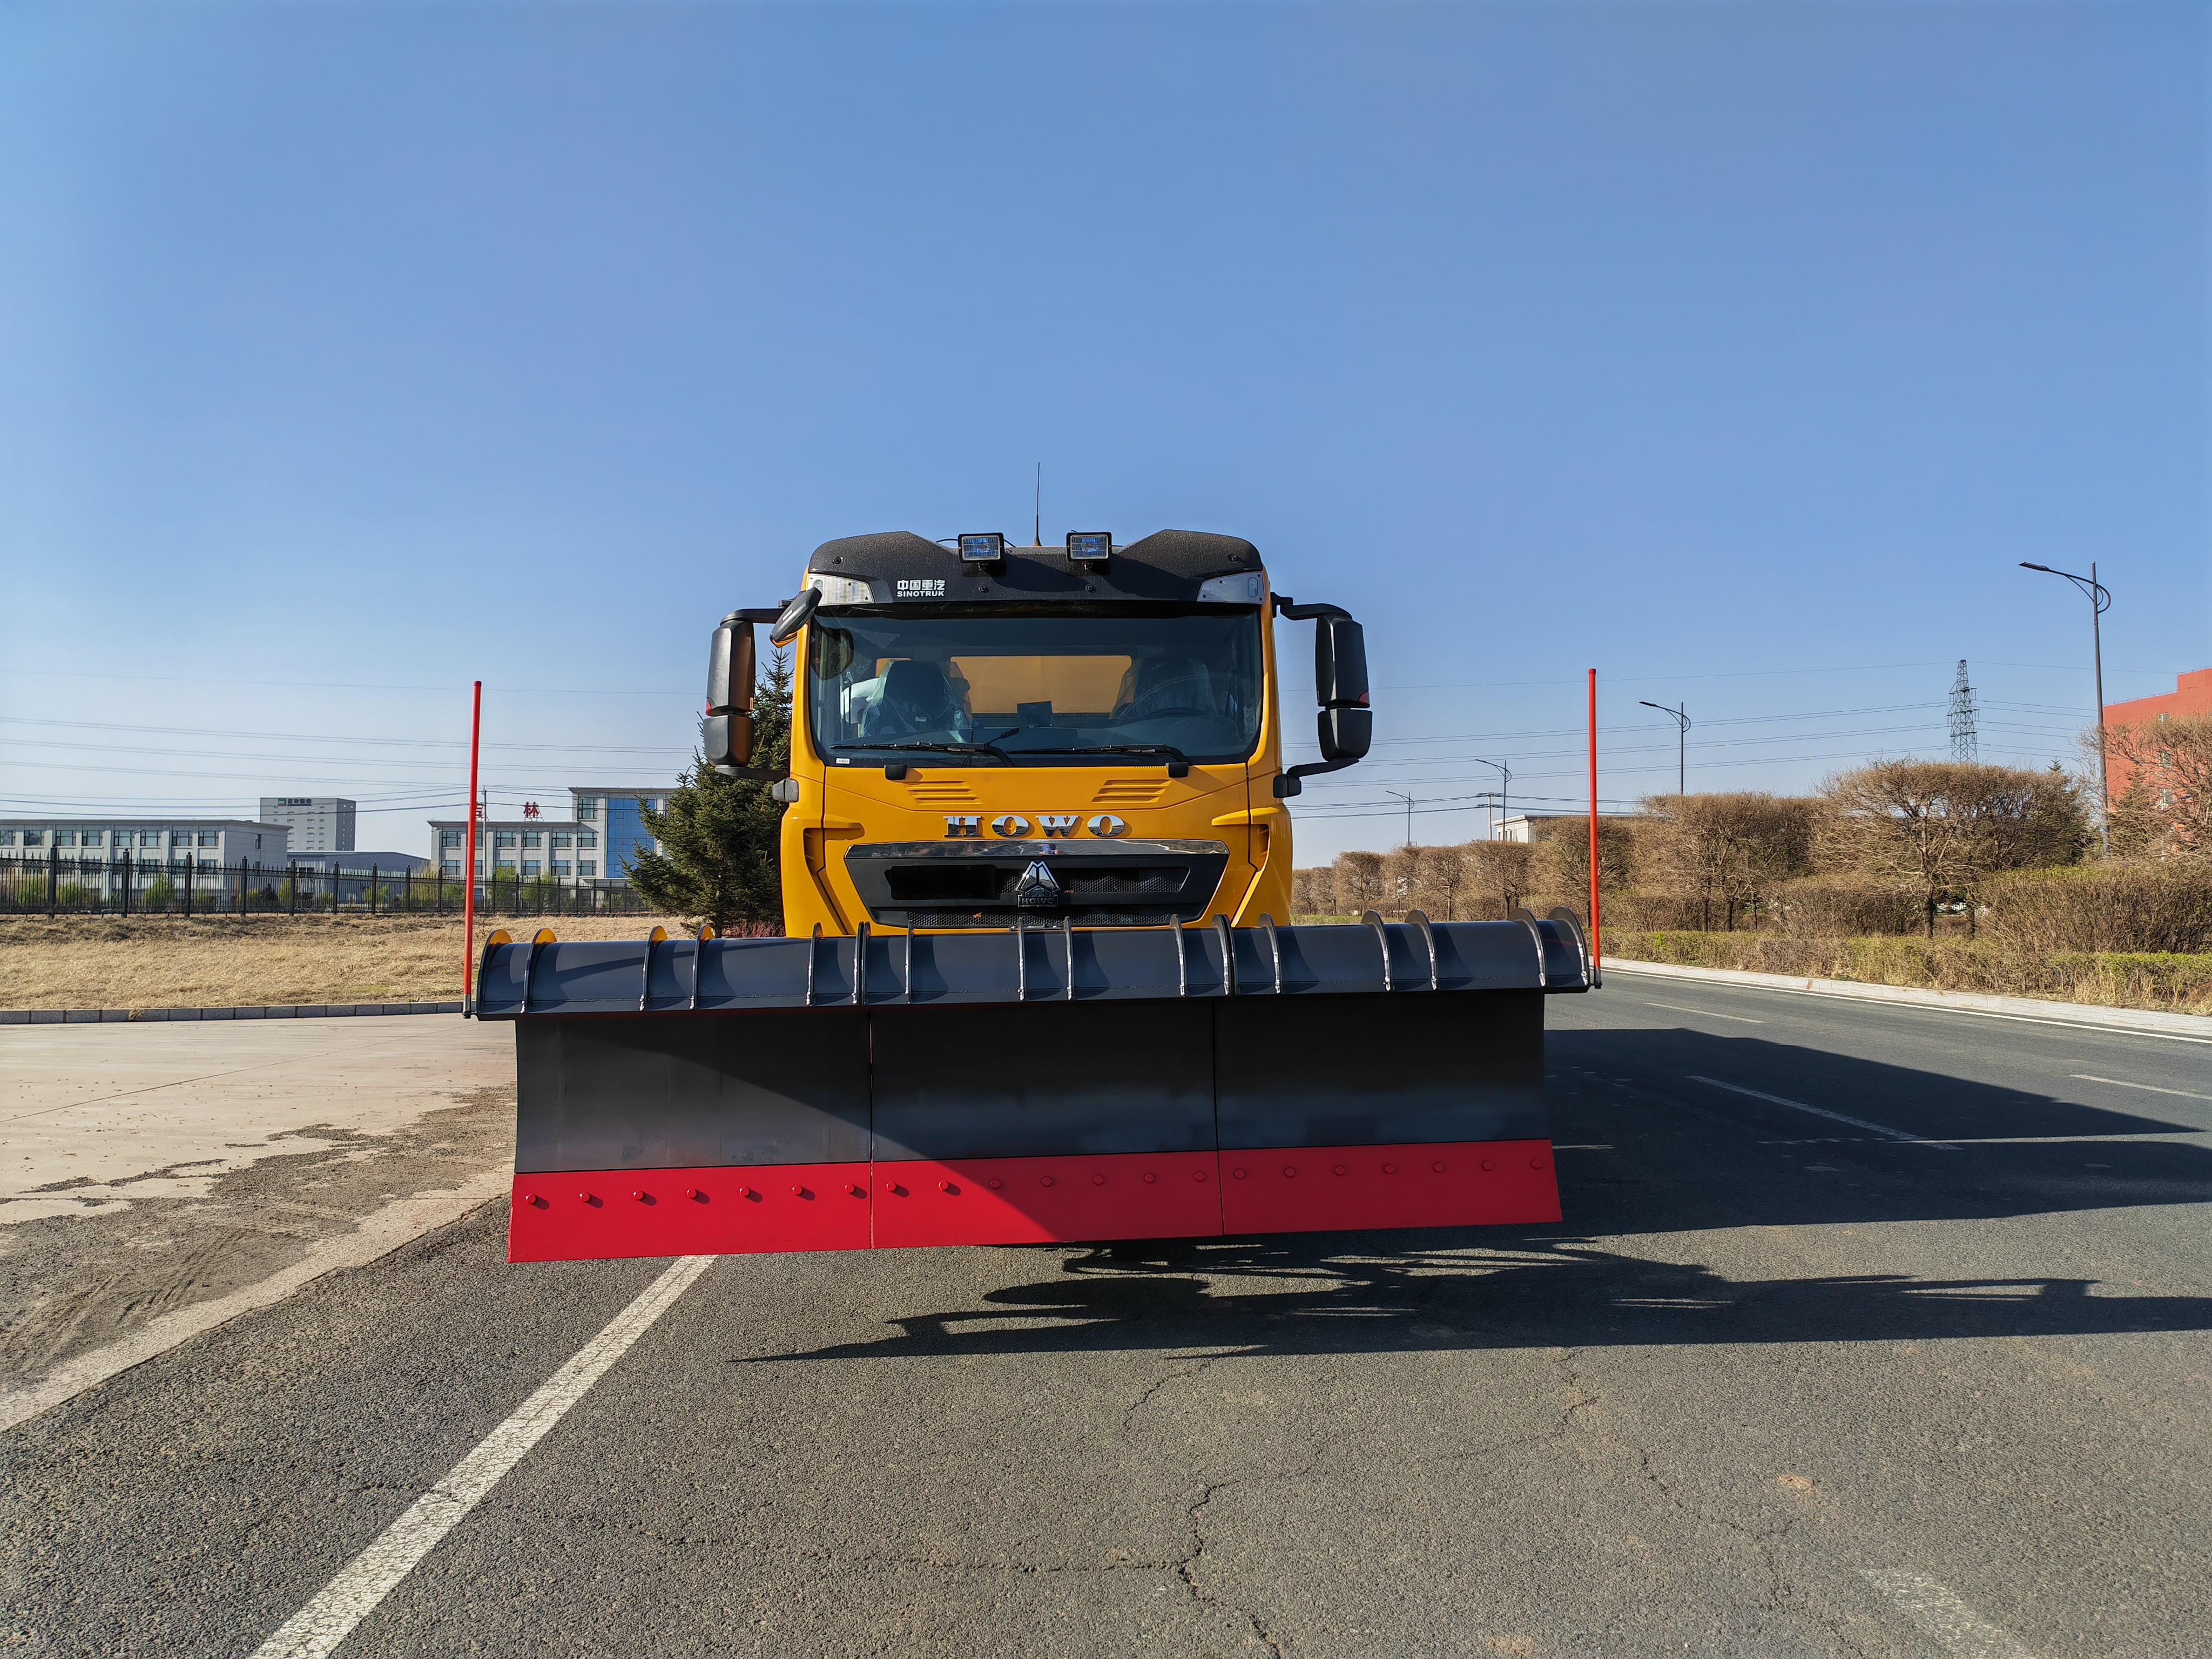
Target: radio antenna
[(1037, 534)]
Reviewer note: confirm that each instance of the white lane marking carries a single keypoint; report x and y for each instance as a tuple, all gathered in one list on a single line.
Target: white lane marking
[(2147, 1088), (400, 1222), (328, 1620), (1925, 1007), (1942, 1615), (1822, 1111), (1708, 1013)]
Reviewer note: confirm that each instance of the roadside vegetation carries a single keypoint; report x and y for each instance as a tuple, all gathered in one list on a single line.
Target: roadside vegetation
[(229, 962), (1935, 874)]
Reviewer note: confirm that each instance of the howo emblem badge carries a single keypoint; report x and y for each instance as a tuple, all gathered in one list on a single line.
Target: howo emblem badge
[(1038, 890), (1012, 826)]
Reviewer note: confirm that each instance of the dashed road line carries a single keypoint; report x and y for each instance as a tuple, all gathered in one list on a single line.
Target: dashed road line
[(1705, 1013), (318, 1628), (2147, 1088), (1882, 1129), (1940, 1614)]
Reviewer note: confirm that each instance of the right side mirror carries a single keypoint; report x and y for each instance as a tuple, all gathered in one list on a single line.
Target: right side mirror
[(1345, 734), (1340, 662), (1346, 724)]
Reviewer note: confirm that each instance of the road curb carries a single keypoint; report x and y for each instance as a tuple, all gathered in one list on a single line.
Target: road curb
[(2198, 1026), (137, 1016)]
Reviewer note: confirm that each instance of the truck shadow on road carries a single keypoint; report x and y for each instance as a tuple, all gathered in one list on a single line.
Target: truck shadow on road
[(1645, 1147), (1518, 1288)]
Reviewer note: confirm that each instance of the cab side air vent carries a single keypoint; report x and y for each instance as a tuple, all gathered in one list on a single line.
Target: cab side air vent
[(1128, 792), (950, 793)]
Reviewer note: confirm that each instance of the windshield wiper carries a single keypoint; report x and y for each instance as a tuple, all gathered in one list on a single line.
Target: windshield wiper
[(1167, 748), (943, 748)]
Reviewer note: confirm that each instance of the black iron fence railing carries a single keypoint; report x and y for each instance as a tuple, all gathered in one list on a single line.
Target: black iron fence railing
[(124, 886)]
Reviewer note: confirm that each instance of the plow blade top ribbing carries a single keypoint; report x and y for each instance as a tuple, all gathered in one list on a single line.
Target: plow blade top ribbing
[(680, 1097)]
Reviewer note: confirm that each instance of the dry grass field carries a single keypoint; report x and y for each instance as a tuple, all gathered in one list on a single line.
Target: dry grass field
[(165, 962)]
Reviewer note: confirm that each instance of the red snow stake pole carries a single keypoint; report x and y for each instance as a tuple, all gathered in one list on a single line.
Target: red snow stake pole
[(1595, 957), (469, 865)]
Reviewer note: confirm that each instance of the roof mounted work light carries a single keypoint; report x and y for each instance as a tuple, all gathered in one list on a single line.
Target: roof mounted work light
[(985, 550), (1090, 547)]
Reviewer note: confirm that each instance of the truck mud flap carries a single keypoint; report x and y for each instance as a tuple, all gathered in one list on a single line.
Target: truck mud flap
[(735, 1096)]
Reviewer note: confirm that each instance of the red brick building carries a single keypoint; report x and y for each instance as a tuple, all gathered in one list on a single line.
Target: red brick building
[(2192, 695)]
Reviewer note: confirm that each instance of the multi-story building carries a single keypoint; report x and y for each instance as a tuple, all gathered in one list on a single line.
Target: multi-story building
[(319, 823), (603, 829), (93, 849), (2192, 695)]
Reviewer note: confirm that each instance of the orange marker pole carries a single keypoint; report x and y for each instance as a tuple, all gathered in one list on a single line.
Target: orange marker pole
[(1594, 955), (469, 867)]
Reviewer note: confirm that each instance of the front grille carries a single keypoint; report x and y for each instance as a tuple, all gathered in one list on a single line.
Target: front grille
[(1079, 915), (1117, 883), (1101, 884)]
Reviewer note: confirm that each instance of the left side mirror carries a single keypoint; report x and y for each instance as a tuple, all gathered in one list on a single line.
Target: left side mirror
[(726, 736)]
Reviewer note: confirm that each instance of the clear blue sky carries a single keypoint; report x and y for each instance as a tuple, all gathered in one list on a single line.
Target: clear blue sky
[(347, 353)]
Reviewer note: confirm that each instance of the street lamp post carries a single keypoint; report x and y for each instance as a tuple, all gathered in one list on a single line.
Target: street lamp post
[(1408, 800), (2101, 601), (1681, 719), (1505, 779)]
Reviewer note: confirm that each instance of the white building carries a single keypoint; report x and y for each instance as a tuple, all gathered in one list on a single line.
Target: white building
[(319, 823), (91, 849), (602, 830)]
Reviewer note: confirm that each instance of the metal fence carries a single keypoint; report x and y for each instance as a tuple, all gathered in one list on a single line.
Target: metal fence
[(122, 886)]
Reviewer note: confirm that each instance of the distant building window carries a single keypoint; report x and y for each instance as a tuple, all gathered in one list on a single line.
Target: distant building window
[(561, 838), (65, 838), (7, 837), (449, 838), (208, 838), (588, 838), (93, 838), (450, 868), (560, 866), (587, 807), (479, 869), (530, 867), (35, 838), (503, 838), (529, 838), (587, 868)]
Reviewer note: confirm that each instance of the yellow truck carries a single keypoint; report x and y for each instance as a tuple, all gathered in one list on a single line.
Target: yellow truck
[(1038, 981)]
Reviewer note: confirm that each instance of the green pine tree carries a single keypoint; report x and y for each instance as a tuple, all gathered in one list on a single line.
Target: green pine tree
[(720, 836)]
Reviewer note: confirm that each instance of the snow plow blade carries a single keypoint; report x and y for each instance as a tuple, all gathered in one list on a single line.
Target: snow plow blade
[(723, 1096)]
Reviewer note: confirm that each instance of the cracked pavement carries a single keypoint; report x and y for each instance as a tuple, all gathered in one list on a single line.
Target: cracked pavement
[(1768, 1364)]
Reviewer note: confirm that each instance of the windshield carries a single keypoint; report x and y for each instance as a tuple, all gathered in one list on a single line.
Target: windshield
[(1085, 689)]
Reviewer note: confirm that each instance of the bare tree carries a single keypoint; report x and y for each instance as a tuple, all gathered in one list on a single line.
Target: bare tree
[(1498, 871), (2165, 810), (1358, 883), (1729, 850), (1945, 824)]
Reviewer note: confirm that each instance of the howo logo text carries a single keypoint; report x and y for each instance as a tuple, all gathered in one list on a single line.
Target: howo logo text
[(1014, 827)]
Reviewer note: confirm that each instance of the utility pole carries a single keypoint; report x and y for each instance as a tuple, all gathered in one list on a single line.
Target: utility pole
[(1681, 719), (1408, 800), (2101, 601)]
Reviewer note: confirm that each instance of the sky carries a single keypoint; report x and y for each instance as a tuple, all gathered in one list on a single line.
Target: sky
[(352, 353)]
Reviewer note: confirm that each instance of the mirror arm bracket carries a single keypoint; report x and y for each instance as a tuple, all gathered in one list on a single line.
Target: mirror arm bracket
[(1287, 784)]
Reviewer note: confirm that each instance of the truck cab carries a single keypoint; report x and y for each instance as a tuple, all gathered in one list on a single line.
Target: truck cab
[(985, 736)]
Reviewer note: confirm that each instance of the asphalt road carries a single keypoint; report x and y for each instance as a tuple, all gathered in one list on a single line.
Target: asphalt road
[(1933, 1381)]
